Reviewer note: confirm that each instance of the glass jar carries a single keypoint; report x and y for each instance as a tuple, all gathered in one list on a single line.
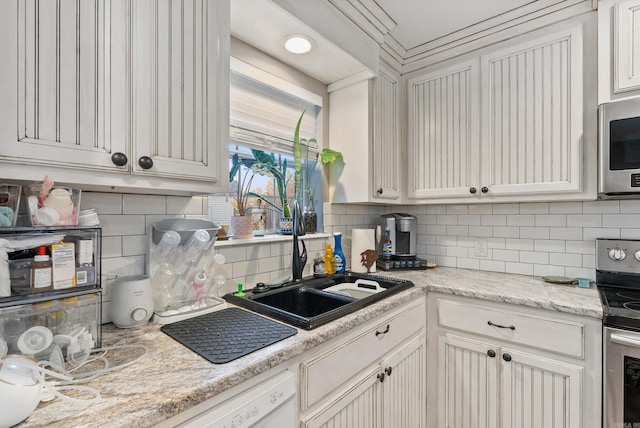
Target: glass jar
[(310, 220), (259, 220)]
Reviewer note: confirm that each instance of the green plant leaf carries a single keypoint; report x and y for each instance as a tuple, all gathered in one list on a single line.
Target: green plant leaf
[(329, 156)]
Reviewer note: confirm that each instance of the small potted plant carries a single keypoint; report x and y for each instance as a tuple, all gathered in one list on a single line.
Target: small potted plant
[(241, 177)]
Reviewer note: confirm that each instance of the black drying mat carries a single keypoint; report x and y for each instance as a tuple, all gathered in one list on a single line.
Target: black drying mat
[(225, 335)]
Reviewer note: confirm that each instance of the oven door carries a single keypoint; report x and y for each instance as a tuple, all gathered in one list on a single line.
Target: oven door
[(621, 378), (619, 146)]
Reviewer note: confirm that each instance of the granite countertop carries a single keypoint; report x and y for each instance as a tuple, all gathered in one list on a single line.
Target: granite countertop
[(171, 378)]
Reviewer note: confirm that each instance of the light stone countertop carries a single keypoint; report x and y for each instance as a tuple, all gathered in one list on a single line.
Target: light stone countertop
[(171, 378)]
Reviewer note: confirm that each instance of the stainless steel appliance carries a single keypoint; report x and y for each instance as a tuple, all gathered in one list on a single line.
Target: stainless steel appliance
[(619, 149), (404, 232), (618, 281)]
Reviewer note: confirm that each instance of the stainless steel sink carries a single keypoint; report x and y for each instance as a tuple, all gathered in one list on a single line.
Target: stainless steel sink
[(312, 302)]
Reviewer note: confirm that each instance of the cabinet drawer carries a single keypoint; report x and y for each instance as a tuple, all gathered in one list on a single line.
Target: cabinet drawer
[(324, 373), (555, 335)]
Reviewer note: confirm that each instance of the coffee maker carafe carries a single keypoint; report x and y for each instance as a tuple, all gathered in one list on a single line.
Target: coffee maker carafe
[(403, 231)]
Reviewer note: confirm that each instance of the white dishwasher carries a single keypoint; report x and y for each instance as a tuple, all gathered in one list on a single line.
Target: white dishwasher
[(270, 404)]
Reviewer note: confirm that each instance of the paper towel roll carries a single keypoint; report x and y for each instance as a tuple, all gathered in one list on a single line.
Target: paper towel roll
[(363, 250)]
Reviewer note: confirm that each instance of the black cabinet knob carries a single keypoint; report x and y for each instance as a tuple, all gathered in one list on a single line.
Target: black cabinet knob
[(145, 162), (379, 191), (491, 353), (506, 357), (119, 159), (381, 377), (388, 371), (472, 190), (484, 189)]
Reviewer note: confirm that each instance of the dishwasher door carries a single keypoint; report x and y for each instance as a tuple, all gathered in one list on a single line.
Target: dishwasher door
[(269, 404)]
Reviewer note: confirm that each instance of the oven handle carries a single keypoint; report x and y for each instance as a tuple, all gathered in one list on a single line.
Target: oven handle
[(624, 340)]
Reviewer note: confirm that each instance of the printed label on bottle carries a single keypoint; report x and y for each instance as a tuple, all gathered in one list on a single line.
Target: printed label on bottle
[(339, 263), (42, 278), (386, 249)]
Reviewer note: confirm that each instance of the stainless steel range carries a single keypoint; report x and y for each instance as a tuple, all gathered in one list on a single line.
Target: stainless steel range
[(618, 280)]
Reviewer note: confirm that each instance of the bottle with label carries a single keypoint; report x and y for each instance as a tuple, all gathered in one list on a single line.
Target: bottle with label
[(41, 271), (341, 262), (329, 260), (387, 246)]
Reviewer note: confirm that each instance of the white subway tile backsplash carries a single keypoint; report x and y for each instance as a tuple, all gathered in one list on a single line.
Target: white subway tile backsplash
[(480, 231), (521, 220), (506, 255), (196, 205), (534, 232), (535, 257), (480, 209), (506, 209), (468, 263), (457, 209), (458, 230), (630, 206), (103, 203), (134, 245), (620, 220), (549, 245), (548, 270), (630, 233), (566, 233), (519, 268), (519, 244), (111, 246), (492, 265), (600, 207), (122, 225), (534, 208), (506, 232), (565, 208), (458, 252), (581, 247), (470, 220), (557, 220), (144, 204), (447, 219), (592, 233), (493, 220), (574, 260)]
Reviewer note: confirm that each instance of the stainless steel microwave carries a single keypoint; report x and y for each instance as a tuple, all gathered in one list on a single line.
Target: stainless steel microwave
[(619, 149)]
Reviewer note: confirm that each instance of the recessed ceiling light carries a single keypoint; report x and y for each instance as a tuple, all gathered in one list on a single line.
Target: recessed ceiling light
[(299, 44)]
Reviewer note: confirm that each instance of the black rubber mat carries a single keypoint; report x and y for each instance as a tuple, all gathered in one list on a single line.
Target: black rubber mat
[(225, 335)]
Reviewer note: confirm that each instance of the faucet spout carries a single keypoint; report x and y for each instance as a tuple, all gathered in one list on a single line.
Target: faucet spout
[(299, 260)]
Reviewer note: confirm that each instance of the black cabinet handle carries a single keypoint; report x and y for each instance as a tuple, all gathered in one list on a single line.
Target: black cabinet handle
[(506, 357), (381, 377), (388, 371), (484, 189), (473, 190), (511, 327), (386, 330), (145, 162), (491, 353), (379, 191), (119, 159)]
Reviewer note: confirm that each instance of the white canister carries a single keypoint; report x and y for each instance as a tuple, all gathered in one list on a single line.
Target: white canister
[(131, 301), (363, 250)]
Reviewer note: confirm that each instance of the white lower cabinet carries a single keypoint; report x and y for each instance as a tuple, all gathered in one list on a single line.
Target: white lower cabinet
[(374, 378), (504, 366)]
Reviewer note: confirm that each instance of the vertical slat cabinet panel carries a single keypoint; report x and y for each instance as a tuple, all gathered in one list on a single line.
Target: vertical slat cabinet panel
[(404, 387), (386, 140), (443, 136), (358, 407), (177, 70), (532, 108), (539, 392), (467, 385), (627, 52), (62, 96)]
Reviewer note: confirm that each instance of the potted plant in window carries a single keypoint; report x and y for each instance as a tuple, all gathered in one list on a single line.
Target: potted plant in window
[(241, 177), (268, 165)]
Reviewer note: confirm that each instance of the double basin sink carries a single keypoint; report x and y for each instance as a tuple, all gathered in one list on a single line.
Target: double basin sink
[(312, 302)]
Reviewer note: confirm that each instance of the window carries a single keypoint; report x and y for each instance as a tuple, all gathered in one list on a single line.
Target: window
[(264, 111)]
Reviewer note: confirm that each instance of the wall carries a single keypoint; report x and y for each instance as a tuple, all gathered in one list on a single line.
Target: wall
[(556, 238)]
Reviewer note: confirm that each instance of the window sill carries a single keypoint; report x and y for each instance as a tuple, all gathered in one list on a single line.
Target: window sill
[(268, 239)]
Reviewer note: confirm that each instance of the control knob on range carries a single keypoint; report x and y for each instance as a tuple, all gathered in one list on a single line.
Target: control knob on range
[(637, 255), (617, 254)]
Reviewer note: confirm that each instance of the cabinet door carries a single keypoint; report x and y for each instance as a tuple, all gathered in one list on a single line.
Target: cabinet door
[(359, 406), (532, 125), (179, 72), (539, 392), (404, 387), (626, 59), (386, 151), (443, 137), (62, 83), (467, 383)]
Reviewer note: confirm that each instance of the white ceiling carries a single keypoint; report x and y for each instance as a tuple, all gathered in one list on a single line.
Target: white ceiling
[(422, 21), (410, 23)]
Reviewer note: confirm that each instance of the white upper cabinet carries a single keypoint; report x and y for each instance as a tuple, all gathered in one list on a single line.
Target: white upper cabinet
[(506, 123), (133, 96), (364, 120), (618, 49)]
